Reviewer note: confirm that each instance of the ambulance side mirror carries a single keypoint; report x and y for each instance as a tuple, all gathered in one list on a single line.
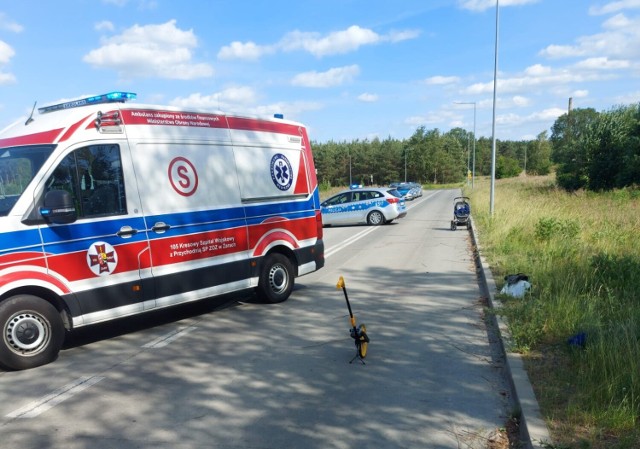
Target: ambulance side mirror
[(59, 207)]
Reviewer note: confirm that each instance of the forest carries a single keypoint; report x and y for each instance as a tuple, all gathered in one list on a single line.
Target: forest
[(587, 149)]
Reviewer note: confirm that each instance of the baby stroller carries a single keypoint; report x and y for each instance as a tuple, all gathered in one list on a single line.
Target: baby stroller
[(461, 213)]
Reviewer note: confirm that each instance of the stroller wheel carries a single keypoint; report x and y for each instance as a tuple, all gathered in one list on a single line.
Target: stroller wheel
[(469, 225), (453, 225)]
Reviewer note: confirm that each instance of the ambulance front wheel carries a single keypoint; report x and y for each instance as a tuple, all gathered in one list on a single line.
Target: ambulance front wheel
[(32, 332), (276, 279)]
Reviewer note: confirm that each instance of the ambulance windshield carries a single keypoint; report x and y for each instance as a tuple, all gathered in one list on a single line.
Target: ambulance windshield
[(18, 166)]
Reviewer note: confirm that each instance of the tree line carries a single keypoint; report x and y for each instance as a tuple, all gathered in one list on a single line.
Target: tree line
[(588, 150), (597, 150), (427, 157)]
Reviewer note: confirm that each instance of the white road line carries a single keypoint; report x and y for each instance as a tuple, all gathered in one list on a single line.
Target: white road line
[(330, 252), (348, 242), (164, 340), (61, 394)]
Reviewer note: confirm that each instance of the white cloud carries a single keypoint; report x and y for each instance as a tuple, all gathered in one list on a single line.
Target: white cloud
[(6, 24), (162, 51), (548, 114), (520, 101), (337, 42), (232, 98), (537, 70), (481, 5), (581, 93), (617, 22), (433, 117), (398, 36), (554, 51), (545, 116), (614, 7), (630, 98), (620, 40), (439, 80), (6, 53), (7, 78), (247, 50), (105, 25), (330, 78), (290, 110), (368, 98), (603, 63), (119, 3), (537, 77), (242, 99)]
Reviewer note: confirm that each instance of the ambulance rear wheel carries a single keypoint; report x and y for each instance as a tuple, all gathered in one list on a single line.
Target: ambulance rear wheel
[(32, 332), (276, 279)]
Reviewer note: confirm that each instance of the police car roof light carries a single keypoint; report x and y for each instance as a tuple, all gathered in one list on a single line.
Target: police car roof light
[(111, 97)]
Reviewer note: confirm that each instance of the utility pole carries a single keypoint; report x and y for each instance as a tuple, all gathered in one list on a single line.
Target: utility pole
[(493, 126)]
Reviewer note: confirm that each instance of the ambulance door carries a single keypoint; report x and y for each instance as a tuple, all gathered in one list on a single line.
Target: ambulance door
[(104, 253), (196, 222)]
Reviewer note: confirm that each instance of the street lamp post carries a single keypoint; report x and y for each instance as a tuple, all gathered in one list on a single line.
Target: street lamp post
[(473, 164), (493, 125), (406, 150)]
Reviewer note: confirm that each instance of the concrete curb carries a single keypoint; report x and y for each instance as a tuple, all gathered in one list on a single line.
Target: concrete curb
[(533, 429)]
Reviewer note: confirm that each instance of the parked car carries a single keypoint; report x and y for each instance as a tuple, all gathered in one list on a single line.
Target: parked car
[(418, 189), (409, 190), (373, 206)]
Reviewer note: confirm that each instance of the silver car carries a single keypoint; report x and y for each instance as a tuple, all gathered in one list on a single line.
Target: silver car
[(373, 206)]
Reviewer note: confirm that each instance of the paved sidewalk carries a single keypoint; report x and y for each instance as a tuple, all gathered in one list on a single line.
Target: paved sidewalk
[(533, 428)]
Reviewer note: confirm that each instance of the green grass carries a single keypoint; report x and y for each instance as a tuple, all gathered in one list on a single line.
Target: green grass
[(582, 253)]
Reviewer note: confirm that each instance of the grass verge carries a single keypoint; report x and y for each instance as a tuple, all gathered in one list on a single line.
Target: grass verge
[(582, 254)]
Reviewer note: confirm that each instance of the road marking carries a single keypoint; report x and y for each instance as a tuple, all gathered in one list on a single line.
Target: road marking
[(330, 252), (164, 340), (349, 241), (35, 408)]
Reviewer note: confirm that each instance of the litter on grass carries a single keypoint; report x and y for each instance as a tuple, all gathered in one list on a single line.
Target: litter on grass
[(516, 285)]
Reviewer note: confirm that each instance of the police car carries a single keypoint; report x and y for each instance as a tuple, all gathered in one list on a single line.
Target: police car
[(373, 206)]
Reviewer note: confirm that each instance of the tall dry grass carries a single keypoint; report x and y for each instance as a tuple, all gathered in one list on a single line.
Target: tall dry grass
[(582, 253)]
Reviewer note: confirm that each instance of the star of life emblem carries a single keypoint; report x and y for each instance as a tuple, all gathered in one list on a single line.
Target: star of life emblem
[(281, 172), (102, 258)]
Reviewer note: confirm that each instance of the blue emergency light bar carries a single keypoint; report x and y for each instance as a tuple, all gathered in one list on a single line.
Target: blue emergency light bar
[(112, 97)]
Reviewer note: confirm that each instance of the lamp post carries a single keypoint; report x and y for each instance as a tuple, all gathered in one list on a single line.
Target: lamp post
[(493, 125), (473, 164), (349, 156), (406, 150)]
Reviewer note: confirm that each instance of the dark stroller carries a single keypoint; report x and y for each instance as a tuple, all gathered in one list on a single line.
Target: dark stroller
[(461, 213)]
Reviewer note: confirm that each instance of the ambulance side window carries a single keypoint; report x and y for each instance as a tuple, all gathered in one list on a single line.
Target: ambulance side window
[(93, 175)]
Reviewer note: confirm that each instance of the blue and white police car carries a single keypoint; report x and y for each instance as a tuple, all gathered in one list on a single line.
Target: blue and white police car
[(373, 206)]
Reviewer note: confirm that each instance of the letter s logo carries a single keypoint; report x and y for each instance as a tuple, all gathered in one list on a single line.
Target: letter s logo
[(183, 176)]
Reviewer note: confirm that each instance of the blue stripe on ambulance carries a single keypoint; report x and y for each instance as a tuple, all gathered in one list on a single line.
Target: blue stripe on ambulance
[(19, 241)]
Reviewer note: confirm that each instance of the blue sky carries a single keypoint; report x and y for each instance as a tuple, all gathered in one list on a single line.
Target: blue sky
[(348, 69)]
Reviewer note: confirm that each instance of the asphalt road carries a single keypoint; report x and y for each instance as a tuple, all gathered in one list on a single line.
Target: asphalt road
[(232, 373)]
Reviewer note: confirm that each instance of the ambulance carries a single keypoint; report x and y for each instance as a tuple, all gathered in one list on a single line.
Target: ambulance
[(110, 208)]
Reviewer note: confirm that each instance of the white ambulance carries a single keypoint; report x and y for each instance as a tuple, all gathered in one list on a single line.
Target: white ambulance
[(110, 209)]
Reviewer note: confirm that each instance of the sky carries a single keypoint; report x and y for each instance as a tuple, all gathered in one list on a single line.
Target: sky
[(347, 69)]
